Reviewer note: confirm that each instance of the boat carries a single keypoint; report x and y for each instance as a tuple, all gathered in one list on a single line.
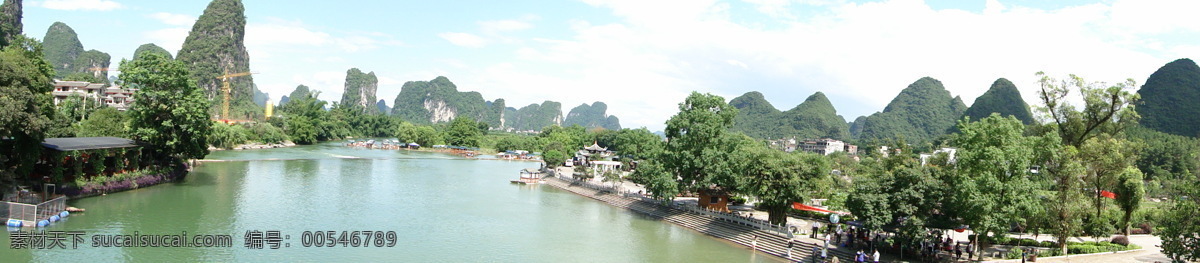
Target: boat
[(529, 176)]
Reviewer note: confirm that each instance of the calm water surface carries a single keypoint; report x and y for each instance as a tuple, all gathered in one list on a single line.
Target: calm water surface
[(443, 209)]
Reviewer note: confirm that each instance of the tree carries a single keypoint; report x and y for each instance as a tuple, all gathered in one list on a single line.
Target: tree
[(1181, 231), (420, 134), (659, 181), (992, 187), (1106, 109), (778, 178), (1105, 159), (1130, 192), (301, 129), (171, 112), (464, 131), (105, 122), (26, 109), (698, 148), (1059, 163)]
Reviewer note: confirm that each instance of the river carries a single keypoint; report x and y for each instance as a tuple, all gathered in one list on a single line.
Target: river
[(442, 209)]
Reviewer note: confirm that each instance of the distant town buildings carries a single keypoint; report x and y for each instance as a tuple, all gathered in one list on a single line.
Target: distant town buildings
[(950, 152), (116, 97), (819, 146)]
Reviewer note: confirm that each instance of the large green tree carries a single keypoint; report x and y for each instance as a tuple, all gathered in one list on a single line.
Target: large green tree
[(105, 122), (698, 146), (1130, 191), (1107, 109), (1181, 231), (778, 178), (171, 112), (464, 131), (993, 187), (1105, 159), (26, 109)]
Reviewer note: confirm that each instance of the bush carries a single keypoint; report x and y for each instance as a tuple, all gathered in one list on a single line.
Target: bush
[(1048, 244), (1028, 242), (1013, 254), (1049, 253), (1121, 240)]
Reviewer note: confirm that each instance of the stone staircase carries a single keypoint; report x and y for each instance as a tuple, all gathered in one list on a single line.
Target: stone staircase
[(768, 242)]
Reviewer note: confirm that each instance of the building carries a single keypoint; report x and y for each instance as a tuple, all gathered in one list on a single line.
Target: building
[(950, 152), (116, 97), (823, 146), (66, 89)]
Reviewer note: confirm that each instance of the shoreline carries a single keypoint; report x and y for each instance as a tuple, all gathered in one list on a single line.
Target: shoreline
[(767, 243)]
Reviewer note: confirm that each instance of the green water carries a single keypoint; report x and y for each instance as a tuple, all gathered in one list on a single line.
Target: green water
[(443, 209)]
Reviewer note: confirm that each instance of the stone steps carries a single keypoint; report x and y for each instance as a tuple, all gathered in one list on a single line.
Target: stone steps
[(768, 242)]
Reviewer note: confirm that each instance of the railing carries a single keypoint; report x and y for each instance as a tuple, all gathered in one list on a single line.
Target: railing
[(31, 214), (782, 229)]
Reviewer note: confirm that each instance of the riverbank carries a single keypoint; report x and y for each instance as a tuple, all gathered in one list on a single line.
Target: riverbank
[(255, 146), (765, 242)]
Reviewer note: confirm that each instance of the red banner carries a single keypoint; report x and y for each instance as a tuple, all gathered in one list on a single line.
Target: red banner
[(799, 206), (1110, 195)]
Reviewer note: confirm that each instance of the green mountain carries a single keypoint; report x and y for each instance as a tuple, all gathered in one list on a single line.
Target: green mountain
[(10, 21), (300, 91), (215, 47), (360, 90), (65, 53), (757, 117), (382, 107), (592, 116), (1169, 99), (814, 118), (439, 100), (152, 48), (1004, 98), (856, 126), (918, 114), (534, 117)]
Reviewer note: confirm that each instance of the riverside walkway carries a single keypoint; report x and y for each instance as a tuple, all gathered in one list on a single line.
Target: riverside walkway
[(769, 242)]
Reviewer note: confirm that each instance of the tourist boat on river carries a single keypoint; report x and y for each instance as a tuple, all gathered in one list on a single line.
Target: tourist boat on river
[(529, 176)]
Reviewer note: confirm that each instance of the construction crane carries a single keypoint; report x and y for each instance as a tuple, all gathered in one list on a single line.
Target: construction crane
[(225, 89)]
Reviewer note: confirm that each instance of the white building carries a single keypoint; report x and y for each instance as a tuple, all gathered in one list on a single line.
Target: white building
[(950, 152), (116, 97)]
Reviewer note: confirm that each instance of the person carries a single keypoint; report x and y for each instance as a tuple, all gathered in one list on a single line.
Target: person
[(816, 251), (824, 253), (754, 243), (970, 252), (957, 251), (838, 238), (858, 256), (875, 257), (790, 244), (815, 226), (834, 260)]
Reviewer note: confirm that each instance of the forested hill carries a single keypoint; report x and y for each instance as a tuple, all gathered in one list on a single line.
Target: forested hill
[(1004, 98), (439, 100), (1170, 99), (814, 118), (151, 48), (359, 91), (10, 21), (216, 46), (920, 113), (65, 53), (592, 116), (534, 117)]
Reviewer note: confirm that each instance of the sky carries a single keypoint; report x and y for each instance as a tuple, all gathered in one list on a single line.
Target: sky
[(643, 57)]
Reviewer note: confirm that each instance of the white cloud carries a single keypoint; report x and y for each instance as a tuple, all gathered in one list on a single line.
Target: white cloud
[(504, 25), (464, 39), (72, 5), (174, 19), (170, 39)]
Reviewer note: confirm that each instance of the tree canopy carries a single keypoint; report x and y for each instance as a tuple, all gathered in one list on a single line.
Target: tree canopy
[(171, 112)]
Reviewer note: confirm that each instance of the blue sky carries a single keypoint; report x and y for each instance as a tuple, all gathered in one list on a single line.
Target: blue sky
[(643, 57)]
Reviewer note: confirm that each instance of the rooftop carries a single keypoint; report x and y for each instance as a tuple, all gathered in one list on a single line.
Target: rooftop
[(87, 143)]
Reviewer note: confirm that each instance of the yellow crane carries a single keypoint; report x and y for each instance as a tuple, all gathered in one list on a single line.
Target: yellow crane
[(225, 90)]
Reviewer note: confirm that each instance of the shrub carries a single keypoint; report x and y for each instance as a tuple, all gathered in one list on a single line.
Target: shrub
[(1047, 244), (1013, 254), (1122, 240), (1028, 242)]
